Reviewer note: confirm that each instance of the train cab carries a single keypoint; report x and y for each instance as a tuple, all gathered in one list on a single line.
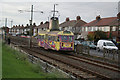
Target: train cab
[(66, 41)]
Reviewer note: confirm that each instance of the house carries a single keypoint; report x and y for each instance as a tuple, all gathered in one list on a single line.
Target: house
[(73, 25), (108, 25), (41, 27)]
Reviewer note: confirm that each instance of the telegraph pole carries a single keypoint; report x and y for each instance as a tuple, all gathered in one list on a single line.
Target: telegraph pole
[(30, 42), (31, 19)]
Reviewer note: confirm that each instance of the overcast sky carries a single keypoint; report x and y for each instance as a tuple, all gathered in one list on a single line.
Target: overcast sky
[(87, 10)]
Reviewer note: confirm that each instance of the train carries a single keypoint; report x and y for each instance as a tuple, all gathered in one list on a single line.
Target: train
[(55, 39)]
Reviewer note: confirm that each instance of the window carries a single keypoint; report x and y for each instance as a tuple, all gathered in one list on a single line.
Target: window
[(70, 38), (107, 29), (86, 29), (109, 44), (114, 28), (103, 29), (104, 44), (60, 28), (67, 38), (82, 28), (92, 28)]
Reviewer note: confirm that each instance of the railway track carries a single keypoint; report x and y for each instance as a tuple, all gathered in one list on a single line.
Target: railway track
[(76, 70), (113, 70), (65, 66)]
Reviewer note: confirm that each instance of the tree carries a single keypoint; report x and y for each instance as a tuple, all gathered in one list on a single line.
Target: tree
[(90, 36), (97, 35)]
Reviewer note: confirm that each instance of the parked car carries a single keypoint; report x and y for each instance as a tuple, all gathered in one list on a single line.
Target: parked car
[(84, 43), (106, 44), (76, 42), (13, 34), (91, 45)]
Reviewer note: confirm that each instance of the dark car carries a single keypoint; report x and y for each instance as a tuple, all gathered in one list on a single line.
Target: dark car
[(76, 42), (89, 44)]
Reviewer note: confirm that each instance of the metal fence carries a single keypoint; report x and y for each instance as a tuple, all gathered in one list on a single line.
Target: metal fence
[(111, 53), (106, 53)]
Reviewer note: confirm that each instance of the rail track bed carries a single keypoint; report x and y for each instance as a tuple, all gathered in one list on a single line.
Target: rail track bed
[(78, 66)]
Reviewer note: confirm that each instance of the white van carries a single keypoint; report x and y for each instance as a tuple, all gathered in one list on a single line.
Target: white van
[(106, 44)]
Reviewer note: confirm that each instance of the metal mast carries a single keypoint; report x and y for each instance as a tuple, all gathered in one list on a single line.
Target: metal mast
[(31, 20)]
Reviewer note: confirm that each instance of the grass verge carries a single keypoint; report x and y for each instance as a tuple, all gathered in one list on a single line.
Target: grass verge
[(15, 65)]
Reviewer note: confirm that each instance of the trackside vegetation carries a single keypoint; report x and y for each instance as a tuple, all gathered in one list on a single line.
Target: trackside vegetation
[(15, 65)]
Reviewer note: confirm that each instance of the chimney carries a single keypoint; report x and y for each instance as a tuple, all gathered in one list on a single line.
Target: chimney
[(46, 22), (34, 24), (27, 25), (22, 25), (41, 23), (78, 18), (118, 16), (67, 19), (13, 25), (98, 17)]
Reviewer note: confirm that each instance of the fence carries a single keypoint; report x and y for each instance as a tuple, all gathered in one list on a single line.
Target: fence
[(80, 49), (106, 53), (111, 53)]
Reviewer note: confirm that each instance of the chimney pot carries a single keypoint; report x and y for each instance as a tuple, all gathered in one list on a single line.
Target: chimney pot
[(34, 24), (78, 18), (118, 16), (67, 19), (41, 23), (27, 25), (98, 17), (22, 25), (46, 22)]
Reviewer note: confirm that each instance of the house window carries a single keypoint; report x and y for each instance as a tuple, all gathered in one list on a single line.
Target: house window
[(114, 28), (86, 29), (107, 29), (103, 29), (60, 28), (82, 28), (92, 28)]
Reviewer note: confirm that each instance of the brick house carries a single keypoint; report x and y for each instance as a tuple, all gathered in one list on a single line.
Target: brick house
[(73, 25), (108, 25), (41, 27)]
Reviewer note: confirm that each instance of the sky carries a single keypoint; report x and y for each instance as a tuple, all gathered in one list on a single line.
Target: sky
[(86, 10)]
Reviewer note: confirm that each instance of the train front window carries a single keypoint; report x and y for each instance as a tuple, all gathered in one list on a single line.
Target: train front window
[(70, 38), (66, 38)]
